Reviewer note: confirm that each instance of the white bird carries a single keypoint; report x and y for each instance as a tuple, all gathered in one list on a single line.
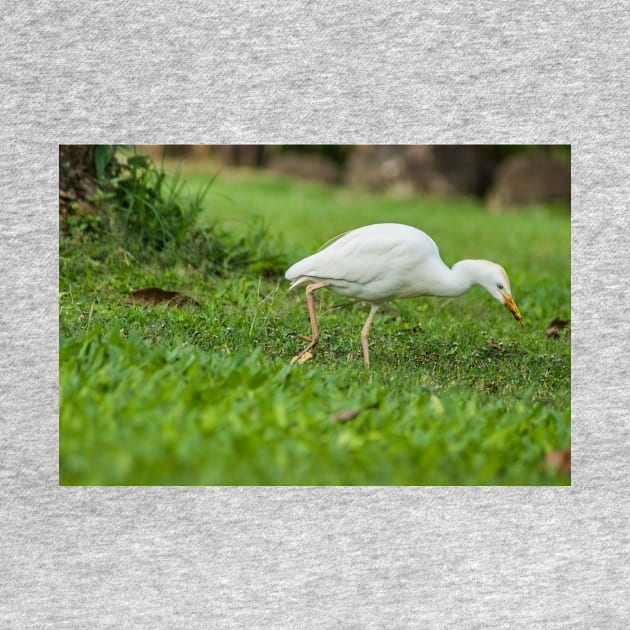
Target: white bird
[(383, 262)]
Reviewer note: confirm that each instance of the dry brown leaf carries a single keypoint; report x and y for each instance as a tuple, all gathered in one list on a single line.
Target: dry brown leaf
[(345, 415), (497, 345), (155, 295), (301, 358), (556, 325), (560, 459)]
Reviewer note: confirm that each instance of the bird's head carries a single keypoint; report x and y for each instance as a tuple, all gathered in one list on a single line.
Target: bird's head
[(493, 278)]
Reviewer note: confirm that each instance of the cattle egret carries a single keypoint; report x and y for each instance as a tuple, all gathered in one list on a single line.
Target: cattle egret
[(386, 261)]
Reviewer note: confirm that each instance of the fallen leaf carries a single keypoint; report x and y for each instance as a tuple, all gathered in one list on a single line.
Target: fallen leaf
[(494, 344), (302, 358), (556, 325), (345, 415), (560, 459), (155, 295)]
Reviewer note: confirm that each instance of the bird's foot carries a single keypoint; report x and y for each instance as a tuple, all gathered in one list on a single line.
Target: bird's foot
[(302, 337)]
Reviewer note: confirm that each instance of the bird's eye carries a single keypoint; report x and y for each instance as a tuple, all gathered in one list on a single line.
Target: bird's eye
[(500, 287)]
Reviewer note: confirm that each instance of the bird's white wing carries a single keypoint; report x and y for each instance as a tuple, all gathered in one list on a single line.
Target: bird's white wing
[(366, 256)]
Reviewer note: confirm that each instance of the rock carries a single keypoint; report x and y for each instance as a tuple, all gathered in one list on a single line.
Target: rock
[(525, 180), (428, 169)]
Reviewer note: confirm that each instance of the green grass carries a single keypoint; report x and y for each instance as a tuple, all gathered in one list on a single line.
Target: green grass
[(457, 393)]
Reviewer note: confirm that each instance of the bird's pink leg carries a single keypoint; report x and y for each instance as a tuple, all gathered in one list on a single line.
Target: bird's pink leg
[(364, 334), (310, 301)]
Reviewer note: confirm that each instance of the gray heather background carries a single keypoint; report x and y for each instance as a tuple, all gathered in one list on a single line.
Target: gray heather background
[(236, 72)]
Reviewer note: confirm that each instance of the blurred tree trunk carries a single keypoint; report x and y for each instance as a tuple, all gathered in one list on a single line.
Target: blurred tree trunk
[(240, 154), (77, 180)]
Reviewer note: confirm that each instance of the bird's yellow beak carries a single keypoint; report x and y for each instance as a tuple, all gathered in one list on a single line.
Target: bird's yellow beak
[(510, 304)]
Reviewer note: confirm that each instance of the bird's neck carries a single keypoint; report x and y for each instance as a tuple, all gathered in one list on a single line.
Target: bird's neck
[(459, 278)]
